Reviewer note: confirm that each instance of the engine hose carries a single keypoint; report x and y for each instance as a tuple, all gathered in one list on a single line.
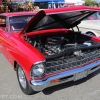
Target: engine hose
[(48, 57)]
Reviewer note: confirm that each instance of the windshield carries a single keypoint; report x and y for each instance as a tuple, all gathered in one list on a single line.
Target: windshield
[(17, 23)]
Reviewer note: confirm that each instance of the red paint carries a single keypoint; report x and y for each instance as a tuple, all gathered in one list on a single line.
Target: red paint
[(15, 48)]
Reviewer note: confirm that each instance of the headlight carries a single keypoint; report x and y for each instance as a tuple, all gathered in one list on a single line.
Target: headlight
[(38, 70)]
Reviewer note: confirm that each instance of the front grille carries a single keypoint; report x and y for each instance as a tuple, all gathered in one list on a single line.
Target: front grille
[(57, 65)]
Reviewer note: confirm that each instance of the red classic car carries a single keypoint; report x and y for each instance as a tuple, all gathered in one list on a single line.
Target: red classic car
[(46, 51)]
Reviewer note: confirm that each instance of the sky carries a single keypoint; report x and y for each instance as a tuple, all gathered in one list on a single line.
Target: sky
[(98, 1)]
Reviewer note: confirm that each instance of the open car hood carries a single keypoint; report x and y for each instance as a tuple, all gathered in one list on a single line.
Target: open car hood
[(59, 18)]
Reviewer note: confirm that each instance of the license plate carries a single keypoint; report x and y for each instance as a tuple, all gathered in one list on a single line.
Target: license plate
[(80, 75)]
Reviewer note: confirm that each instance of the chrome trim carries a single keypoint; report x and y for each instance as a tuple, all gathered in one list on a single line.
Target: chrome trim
[(40, 85), (39, 62)]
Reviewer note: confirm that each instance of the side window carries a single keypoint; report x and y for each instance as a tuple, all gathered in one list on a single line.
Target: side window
[(3, 22)]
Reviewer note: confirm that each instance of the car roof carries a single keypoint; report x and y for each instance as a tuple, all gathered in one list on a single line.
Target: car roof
[(70, 9), (18, 13)]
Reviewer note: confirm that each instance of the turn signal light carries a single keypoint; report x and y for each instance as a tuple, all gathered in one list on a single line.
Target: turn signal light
[(54, 81)]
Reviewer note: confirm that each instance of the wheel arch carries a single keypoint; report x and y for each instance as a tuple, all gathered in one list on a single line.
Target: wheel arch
[(27, 74), (91, 32)]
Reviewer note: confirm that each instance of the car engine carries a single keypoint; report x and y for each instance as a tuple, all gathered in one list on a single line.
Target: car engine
[(58, 45)]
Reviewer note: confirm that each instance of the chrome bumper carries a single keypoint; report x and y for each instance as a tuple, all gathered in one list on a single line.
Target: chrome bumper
[(64, 76)]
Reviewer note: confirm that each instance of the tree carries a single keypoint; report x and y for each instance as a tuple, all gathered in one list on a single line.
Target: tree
[(90, 2)]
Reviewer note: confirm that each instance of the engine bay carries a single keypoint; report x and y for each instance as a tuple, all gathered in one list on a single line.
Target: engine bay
[(58, 45)]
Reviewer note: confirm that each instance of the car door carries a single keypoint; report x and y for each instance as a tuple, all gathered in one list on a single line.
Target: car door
[(4, 35)]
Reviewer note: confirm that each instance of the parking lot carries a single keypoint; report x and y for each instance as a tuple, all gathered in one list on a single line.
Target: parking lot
[(85, 89)]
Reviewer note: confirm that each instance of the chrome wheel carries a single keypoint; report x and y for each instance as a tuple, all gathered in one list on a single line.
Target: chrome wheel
[(21, 77), (24, 85)]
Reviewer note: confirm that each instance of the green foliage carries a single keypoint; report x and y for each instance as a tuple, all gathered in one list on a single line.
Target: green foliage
[(90, 2)]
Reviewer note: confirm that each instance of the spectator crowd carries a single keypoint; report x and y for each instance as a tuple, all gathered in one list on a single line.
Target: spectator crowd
[(31, 7), (17, 8)]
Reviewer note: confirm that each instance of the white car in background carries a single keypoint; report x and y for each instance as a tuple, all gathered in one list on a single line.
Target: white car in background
[(91, 25)]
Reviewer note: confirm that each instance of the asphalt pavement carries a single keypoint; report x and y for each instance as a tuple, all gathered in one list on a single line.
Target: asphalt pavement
[(84, 89)]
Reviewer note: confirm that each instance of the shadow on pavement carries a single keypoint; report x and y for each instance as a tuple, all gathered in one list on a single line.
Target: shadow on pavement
[(52, 89)]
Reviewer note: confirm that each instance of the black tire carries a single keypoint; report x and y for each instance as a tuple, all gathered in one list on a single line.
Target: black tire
[(90, 33), (27, 89)]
